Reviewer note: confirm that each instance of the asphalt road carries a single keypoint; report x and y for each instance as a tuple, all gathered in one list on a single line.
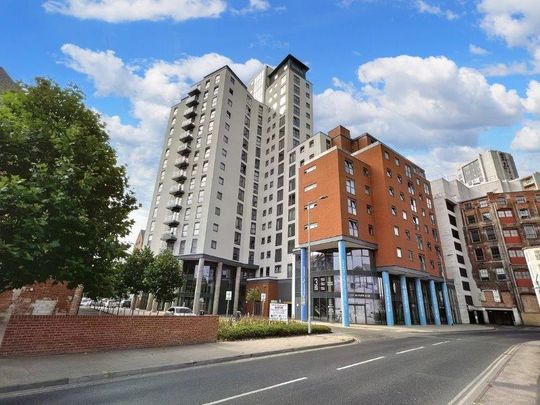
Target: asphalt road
[(420, 369)]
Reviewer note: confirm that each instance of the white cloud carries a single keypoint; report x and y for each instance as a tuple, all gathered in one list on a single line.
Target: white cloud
[(253, 7), (268, 41), (532, 101), (115, 11), (517, 22), (150, 91), (423, 102), (528, 138), (506, 69), (476, 50), (424, 7)]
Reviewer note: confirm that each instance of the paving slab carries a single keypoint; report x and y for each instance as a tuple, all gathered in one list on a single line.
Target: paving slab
[(19, 373)]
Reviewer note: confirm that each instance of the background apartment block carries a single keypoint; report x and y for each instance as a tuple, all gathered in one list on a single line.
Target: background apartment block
[(488, 166), (374, 242), (453, 228), (497, 229), (222, 196)]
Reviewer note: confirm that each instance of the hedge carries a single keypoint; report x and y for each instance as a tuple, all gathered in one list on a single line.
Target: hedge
[(249, 328)]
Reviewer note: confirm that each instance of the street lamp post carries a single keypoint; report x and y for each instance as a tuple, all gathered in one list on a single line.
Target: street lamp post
[(309, 258)]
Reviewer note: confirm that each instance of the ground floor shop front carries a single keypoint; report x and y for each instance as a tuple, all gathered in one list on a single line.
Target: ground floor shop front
[(347, 287)]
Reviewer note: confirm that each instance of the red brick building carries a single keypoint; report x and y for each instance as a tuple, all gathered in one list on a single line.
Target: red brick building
[(497, 229), (373, 236)]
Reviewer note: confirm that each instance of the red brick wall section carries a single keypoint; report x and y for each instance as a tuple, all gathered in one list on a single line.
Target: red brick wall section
[(50, 334)]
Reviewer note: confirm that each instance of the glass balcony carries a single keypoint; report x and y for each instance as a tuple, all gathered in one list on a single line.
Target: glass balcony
[(191, 101), (168, 236), (179, 175), (177, 191), (188, 124), (186, 136), (190, 112), (181, 162), (174, 204), (184, 149), (172, 220)]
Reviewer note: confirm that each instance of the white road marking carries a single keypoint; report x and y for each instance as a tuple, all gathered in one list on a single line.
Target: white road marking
[(440, 343), (410, 350), (362, 362), (255, 391)]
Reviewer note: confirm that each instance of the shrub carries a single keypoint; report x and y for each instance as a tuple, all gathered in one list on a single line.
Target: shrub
[(250, 328)]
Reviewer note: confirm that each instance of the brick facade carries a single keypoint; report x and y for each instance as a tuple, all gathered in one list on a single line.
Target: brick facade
[(40, 335)]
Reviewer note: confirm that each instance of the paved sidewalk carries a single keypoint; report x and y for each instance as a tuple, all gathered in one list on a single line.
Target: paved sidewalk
[(414, 328), (18, 373), (519, 380)]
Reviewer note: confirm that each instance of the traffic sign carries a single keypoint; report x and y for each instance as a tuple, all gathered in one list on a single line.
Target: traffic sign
[(228, 295), (263, 297)]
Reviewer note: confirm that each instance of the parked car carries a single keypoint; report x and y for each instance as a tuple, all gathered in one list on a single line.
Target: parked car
[(179, 311), (87, 302), (125, 303)]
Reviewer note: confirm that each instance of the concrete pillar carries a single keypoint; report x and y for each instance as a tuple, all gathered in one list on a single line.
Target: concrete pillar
[(303, 284), (198, 286), (447, 307), (420, 301), (405, 300), (217, 288), (517, 316), (388, 299), (485, 315), (434, 303), (237, 288), (344, 284), (150, 302)]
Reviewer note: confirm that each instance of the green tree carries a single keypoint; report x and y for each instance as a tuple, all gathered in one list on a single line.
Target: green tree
[(164, 276), (253, 294), (131, 271), (64, 199)]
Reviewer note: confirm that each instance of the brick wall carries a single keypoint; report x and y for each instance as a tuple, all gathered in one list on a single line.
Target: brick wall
[(50, 334)]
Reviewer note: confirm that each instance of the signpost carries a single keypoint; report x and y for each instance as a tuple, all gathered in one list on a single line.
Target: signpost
[(228, 297), (263, 299), (278, 312)]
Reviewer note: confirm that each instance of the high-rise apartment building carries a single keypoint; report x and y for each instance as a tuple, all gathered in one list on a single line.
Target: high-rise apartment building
[(366, 225), (488, 166), (222, 196)]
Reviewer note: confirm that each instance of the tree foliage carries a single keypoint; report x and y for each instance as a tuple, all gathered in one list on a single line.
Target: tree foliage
[(64, 199), (253, 294), (131, 272), (164, 276)]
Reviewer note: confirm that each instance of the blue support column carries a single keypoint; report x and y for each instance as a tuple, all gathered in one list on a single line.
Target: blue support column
[(405, 300), (344, 285), (434, 303), (447, 307), (303, 284), (420, 301), (388, 299)]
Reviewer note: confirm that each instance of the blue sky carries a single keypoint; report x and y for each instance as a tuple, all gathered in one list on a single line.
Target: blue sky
[(439, 80)]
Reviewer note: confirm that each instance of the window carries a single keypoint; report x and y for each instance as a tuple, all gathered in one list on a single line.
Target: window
[(490, 233), (524, 213), (213, 244), (471, 219), (495, 253), (530, 231), (500, 274), (398, 252), (479, 252), (196, 227), (466, 286), (353, 228), (391, 191), (351, 206), (349, 186), (484, 275), (515, 253), (194, 246), (310, 187), (396, 230), (215, 227), (486, 216), (505, 214), (310, 169), (313, 225), (349, 167), (475, 235), (510, 233), (367, 190)]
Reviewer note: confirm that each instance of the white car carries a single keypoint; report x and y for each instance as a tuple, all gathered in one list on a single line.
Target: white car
[(179, 311)]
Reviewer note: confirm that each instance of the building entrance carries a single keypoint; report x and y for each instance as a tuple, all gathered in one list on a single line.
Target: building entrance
[(358, 313)]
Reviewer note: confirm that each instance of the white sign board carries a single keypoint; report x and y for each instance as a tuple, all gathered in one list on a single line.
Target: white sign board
[(263, 297), (228, 295), (278, 312)]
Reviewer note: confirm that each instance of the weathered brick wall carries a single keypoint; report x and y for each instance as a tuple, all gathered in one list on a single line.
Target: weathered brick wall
[(50, 334)]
